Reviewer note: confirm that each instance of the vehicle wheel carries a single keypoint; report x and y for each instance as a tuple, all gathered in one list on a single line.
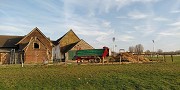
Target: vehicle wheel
[(98, 60), (111, 59), (90, 60)]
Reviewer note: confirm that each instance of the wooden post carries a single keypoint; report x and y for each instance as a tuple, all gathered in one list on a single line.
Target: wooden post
[(120, 58), (138, 58), (157, 57), (15, 57), (0, 58), (66, 58), (103, 61), (172, 57), (164, 58), (22, 65), (107, 61)]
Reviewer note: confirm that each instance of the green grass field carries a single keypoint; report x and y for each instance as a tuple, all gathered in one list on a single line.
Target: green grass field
[(154, 76), (168, 58)]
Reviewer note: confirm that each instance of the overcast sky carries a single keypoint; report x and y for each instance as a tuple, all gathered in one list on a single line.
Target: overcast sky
[(131, 22)]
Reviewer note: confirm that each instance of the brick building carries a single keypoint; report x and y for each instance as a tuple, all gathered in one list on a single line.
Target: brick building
[(36, 48), (67, 43), (33, 48)]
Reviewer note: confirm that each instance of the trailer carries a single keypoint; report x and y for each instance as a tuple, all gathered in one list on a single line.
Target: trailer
[(93, 55)]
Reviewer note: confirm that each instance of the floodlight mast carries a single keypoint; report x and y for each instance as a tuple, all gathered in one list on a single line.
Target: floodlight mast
[(153, 47), (113, 39)]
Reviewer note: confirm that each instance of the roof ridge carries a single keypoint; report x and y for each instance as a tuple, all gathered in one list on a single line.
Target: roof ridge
[(35, 29), (66, 34)]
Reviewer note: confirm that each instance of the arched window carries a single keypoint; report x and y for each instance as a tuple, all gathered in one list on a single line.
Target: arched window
[(36, 46)]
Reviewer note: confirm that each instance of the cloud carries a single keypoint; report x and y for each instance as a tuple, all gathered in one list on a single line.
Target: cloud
[(125, 38), (175, 34), (102, 6), (145, 1), (88, 25), (160, 19), (137, 15), (173, 31), (175, 24), (169, 33), (175, 7), (106, 24), (145, 29), (175, 11), (123, 3), (12, 30), (121, 17)]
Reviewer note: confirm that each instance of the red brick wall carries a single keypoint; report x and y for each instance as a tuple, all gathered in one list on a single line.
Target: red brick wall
[(33, 56)]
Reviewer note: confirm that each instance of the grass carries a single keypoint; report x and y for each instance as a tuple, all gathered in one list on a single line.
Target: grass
[(168, 58), (164, 75)]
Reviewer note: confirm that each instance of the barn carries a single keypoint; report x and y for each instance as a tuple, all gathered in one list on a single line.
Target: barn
[(32, 48), (66, 46), (36, 48), (8, 49)]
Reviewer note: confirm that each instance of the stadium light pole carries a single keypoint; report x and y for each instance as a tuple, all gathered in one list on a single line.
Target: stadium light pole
[(153, 46), (113, 43)]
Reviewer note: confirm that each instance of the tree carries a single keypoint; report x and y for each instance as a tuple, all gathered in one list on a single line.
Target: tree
[(159, 51), (177, 51), (131, 49), (139, 48), (147, 51)]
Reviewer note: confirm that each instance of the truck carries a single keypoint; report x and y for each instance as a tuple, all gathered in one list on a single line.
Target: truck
[(93, 55)]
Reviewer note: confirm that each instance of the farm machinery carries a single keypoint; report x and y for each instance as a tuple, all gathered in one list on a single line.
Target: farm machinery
[(94, 55)]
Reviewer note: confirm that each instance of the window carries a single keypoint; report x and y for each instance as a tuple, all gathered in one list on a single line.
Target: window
[(36, 46)]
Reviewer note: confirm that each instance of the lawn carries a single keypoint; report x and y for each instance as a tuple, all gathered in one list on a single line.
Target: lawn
[(155, 76)]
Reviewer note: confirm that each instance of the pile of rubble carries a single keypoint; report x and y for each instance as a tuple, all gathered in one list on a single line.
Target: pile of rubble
[(132, 58)]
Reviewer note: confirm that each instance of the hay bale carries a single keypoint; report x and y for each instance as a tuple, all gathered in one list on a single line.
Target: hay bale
[(132, 58)]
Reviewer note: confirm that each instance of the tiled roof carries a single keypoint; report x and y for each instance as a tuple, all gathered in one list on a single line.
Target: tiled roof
[(9, 41)]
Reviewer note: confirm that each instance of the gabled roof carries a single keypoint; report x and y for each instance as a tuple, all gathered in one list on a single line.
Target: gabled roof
[(69, 47), (9, 41), (54, 42), (86, 43), (35, 29), (58, 40)]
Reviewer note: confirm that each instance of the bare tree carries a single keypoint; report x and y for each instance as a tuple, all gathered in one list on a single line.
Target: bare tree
[(159, 51), (131, 49), (147, 51), (177, 51), (139, 48)]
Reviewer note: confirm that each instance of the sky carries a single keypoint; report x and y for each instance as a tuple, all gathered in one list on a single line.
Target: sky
[(130, 22)]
